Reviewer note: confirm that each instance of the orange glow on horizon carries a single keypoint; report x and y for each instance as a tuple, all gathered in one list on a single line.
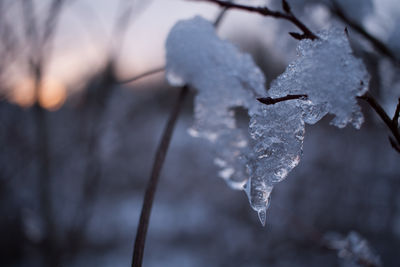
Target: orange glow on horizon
[(23, 94), (52, 94)]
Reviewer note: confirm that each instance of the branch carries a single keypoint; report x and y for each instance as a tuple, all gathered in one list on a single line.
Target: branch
[(385, 118), (151, 187), (143, 75), (138, 251), (395, 119), (272, 101), (265, 11)]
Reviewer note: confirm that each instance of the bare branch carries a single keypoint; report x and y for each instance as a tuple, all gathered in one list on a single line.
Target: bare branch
[(272, 101), (138, 251), (286, 7), (143, 75), (396, 115), (151, 187), (265, 11), (385, 118)]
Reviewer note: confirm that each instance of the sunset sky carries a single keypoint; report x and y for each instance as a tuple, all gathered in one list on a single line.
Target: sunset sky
[(84, 37)]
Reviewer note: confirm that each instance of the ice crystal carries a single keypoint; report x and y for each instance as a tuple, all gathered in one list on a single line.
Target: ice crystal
[(329, 74), (353, 249), (225, 78)]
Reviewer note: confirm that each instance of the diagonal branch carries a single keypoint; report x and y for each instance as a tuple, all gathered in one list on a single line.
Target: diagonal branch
[(143, 75), (395, 119), (393, 127), (265, 11)]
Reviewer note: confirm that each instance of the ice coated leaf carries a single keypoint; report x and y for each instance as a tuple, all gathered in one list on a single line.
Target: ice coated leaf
[(225, 78), (327, 71)]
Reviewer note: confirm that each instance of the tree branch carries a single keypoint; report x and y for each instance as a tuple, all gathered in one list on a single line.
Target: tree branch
[(138, 251), (265, 11), (143, 75), (272, 101), (393, 127), (151, 187), (396, 115)]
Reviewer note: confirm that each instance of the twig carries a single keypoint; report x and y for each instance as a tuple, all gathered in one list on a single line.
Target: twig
[(396, 115), (143, 75), (271, 101), (151, 187), (265, 11), (385, 118), (138, 250)]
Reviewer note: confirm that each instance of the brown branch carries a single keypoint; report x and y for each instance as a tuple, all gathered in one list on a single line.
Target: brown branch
[(151, 187), (385, 118), (396, 115), (272, 101), (265, 11), (138, 250), (143, 75)]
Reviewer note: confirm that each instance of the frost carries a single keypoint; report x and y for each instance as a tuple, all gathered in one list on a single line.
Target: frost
[(326, 71), (353, 249), (225, 78)]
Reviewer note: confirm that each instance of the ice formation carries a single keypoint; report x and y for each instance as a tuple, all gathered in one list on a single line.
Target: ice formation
[(353, 249), (224, 78), (326, 71)]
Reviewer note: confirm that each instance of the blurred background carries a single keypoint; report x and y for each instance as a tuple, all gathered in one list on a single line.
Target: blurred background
[(77, 145)]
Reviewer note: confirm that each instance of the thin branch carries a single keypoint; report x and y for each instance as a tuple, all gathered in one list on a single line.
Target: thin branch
[(272, 101), (385, 118), (143, 75), (396, 115), (265, 11), (138, 250), (151, 187)]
